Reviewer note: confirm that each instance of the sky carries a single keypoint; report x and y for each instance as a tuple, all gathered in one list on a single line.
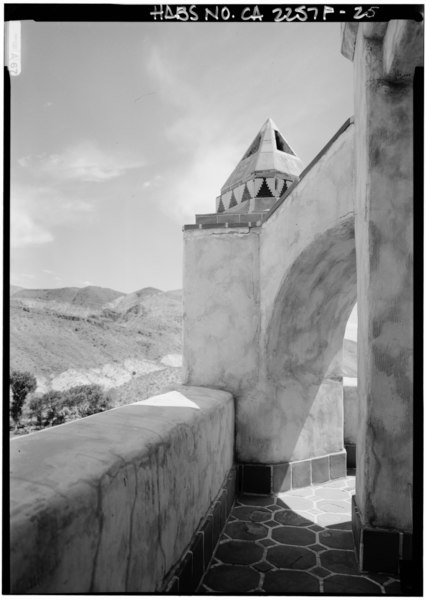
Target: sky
[(121, 132)]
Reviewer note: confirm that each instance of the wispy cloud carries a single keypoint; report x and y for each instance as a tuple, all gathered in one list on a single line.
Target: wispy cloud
[(37, 211), (85, 162), (24, 231), (196, 131), (196, 190)]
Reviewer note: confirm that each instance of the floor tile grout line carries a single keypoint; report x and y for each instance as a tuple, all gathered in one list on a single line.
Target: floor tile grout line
[(276, 544)]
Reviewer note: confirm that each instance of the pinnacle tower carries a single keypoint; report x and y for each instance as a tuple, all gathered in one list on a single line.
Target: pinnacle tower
[(262, 176)]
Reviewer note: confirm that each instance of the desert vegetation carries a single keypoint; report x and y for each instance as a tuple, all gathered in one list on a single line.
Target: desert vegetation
[(30, 411)]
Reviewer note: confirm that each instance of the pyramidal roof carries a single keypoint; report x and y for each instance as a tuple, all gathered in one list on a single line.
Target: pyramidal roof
[(269, 153)]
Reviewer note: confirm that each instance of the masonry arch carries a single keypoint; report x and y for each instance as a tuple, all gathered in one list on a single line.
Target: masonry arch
[(302, 378)]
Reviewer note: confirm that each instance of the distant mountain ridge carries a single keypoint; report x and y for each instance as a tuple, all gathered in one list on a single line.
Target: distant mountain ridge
[(89, 296), (75, 329)]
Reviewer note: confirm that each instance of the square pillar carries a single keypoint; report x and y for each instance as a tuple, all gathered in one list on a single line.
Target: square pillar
[(382, 514)]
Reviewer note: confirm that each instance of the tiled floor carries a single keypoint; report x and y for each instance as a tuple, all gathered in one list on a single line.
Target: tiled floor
[(297, 542)]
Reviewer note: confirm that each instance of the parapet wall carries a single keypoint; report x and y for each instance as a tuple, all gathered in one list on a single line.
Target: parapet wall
[(110, 503)]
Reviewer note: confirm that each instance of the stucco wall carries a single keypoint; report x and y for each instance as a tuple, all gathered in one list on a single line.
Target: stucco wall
[(221, 308), (308, 287), (265, 311), (384, 222), (109, 503)]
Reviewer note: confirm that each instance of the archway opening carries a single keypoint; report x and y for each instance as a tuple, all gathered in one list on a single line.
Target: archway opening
[(303, 372), (350, 388)]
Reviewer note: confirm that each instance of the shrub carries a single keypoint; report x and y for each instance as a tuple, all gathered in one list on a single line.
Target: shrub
[(22, 384), (46, 409), (87, 399), (54, 408)]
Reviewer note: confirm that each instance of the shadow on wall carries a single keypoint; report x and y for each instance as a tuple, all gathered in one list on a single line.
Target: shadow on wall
[(304, 345)]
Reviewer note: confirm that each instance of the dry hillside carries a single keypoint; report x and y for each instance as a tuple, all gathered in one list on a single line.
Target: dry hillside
[(71, 336)]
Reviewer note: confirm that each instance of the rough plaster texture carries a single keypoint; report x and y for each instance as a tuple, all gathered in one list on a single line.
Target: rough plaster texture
[(265, 313), (109, 503), (221, 308), (384, 201)]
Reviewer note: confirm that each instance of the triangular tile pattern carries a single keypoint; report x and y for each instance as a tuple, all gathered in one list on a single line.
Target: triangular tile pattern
[(279, 188), (257, 185), (238, 192), (250, 187), (261, 172), (220, 208), (271, 183), (269, 152), (233, 202), (264, 191), (226, 199), (246, 194)]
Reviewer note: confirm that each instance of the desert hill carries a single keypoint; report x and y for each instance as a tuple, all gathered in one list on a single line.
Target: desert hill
[(71, 336), (88, 297), (14, 289)]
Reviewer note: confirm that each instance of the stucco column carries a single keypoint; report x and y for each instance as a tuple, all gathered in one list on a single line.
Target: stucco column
[(383, 233)]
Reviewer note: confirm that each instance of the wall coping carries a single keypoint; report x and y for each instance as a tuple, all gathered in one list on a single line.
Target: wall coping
[(307, 169), (62, 475)]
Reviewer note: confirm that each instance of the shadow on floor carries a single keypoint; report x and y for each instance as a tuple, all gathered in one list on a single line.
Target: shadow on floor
[(299, 542)]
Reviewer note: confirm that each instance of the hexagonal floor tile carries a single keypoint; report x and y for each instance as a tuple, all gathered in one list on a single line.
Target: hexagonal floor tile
[(320, 572), (340, 561), (229, 579), (342, 540), (291, 557), (239, 553), (331, 494), (347, 584), (317, 548), (266, 543), (334, 506), (306, 491), (332, 519), (297, 536), (288, 517), (274, 507), (290, 582), (315, 528), (263, 566), (296, 502), (246, 530)]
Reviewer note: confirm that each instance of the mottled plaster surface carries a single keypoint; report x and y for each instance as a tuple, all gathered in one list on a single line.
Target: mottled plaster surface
[(221, 308), (307, 280), (109, 503), (384, 218), (265, 313)]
